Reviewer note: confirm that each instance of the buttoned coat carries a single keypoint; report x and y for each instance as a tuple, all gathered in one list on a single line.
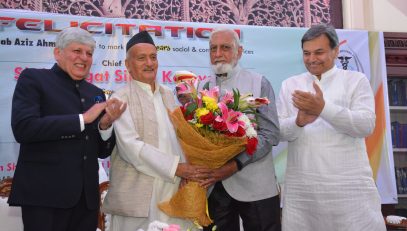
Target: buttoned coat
[(57, 161)]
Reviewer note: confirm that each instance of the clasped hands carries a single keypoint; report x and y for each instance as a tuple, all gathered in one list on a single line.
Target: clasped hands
[(309, 105), (203, 175), (113, 109)]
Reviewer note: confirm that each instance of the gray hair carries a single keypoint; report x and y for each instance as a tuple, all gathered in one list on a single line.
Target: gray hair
[(321, 29), (74, 34), (236, 39)]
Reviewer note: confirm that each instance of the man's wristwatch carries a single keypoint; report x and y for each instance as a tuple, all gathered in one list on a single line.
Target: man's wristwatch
[(239, 164)]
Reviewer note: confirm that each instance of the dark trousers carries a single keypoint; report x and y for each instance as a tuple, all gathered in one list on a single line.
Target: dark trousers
[(262, 215), (78, 218)]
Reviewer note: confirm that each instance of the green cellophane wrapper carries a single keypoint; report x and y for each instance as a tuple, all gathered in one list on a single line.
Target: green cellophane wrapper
[(205, 148)]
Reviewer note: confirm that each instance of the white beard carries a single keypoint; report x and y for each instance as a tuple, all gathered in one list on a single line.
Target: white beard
[(222, 68)]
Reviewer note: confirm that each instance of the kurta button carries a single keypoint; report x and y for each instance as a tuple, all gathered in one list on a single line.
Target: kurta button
[(87, 137), (82, 100), (85, 157), (77, 85)]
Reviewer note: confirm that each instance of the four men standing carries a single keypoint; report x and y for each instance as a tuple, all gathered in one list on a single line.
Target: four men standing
[(324, 114)]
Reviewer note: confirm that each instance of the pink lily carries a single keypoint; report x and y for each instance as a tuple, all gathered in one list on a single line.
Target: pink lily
[(213, 92), (230, 117), (227, 98)]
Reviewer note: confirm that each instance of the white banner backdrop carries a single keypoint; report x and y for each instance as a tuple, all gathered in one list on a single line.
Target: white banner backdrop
[(27, 40)]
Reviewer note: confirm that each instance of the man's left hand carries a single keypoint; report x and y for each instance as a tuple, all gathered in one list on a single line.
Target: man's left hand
[(114, 110), (310, 103), (219, 174)]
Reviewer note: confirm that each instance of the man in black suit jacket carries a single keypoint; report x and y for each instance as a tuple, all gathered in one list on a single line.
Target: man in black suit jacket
[(63, 124)]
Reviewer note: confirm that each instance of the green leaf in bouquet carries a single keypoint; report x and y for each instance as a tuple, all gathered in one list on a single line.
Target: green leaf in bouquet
[(249, 111), (206, 86), (230, 105), (191, 108), (236, 98)]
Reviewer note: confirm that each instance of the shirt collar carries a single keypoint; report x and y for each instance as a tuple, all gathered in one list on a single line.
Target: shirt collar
[(147, 87), (327, 75), (59, 72)]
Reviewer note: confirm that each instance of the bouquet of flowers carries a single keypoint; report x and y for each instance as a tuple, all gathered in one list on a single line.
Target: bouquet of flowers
[(211, 129)]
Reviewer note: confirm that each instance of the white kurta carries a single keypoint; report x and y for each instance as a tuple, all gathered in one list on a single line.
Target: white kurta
[(328, 183), (162, 167)]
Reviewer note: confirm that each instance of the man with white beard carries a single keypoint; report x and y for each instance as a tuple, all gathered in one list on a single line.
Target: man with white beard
[(246, 186)]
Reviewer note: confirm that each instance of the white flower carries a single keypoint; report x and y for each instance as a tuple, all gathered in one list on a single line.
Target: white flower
[(251, 132), (157, 226), (248, 126), (245, 119), (193, 121)]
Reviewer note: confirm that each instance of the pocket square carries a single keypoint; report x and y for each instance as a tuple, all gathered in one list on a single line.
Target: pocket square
[(99, 99)]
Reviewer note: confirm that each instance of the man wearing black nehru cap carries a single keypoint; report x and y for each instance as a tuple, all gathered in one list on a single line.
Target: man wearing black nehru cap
[(149, 163)]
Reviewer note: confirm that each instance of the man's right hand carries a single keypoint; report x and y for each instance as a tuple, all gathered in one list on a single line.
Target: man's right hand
[(304, 118), (114, 109), (218, 174), (92, 113), (192, 172), (310, 103)]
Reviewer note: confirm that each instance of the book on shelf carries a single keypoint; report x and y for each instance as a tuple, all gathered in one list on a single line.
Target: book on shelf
[(401, 180), (400, 189), (404, 179), (397, 92), (399, 134)]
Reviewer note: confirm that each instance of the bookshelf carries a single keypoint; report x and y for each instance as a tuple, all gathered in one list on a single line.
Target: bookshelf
[(396, 64), (398, 116)]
